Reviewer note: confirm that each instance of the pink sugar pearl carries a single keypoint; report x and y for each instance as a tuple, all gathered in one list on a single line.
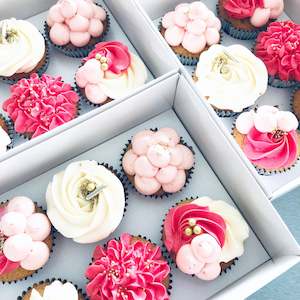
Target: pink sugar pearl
[(188, 157), (38, 227), (209, 271), (68, 8), (60, 34), (143, 167), (95, 27), (99, 13), (79, 39), (177, 184), (37, 257), (167, 174), (13, 223), (146, 186), (128, 162), (142, 141), (22, 205), (85, 9), (55, 14), (17, 247), (159, 156), (79, 23)]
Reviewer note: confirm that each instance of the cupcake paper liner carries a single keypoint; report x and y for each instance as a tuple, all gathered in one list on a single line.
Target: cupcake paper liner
[(296, 89), (10, 126), (166, 252), (82, 51), (48, 282), (186, 60), (53, 236), (39, 71), (189, 172)]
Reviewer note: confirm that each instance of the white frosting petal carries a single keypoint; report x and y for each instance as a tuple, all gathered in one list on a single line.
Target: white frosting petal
[(237, 229), (4, 140), (75, 217), (230, 77), (286, 121), (245, 122), (25, 52)]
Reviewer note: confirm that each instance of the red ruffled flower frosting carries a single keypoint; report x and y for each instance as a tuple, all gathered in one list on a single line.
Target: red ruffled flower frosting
[(271, 150), (37, 105), (127, 270), (279, 49), (117, 54), (242, 9), (178, 219)]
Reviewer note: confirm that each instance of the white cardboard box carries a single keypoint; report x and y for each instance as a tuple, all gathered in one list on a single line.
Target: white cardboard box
[(273, 185)]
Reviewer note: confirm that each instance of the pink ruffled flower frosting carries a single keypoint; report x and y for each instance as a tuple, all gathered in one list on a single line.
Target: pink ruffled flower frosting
[(127, 269), (279, 48), (158, 161), (75, 22), (271, 140), (191, 25), (258, 11), (37, 105), (22, 232)]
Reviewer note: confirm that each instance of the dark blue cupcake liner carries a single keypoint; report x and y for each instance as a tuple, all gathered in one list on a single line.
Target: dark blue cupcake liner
[(82, 51), (10, 127)]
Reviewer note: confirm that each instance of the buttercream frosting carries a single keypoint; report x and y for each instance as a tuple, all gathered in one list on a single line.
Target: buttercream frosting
[(75, 22), (191, 25), (279, 48), (259, 12), (22, 47), (22, 235), (55, 291), (127, 269), (110, 71), (39, 104), (5, 140), (230, 78), (158, 161), (271, 140), (73, 213)]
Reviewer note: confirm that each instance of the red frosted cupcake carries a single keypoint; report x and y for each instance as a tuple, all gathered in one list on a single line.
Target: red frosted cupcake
[(40, 104), (279, 48), (129, 268)]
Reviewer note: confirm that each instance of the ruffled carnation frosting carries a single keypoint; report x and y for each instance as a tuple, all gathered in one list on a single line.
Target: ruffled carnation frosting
[(75, 22), (22, 232), (39, 104), (271, 139), (110, 71), (279, 48), (127, 269), (258, 11), (158, 161), (191, 25)]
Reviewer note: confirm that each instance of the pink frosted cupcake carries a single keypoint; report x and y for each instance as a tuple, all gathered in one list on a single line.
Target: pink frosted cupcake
[(75, 26), (158, 163), (25, 239), (190, 29), (269, 138)]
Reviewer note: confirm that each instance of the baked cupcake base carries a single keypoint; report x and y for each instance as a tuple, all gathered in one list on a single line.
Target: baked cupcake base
[(295, 102)]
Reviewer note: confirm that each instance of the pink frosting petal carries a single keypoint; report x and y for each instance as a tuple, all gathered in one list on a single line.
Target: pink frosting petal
[(182, 7), (245, 122), (95, 94), (177, 184), (188, 157), (171, 134), (277, 11), (143, 167), (167, 174), (95, 27), (60, 34), (168, 19), (99, 13), (38, 227), (79, 23), (286, 121), (180, 19), (194, 43), (49, 20), (176, 156), (212, 36), (209, 271), (68, 8), (196, 27), (13, 223), (265, 122), (85, 9), (80, 77), (142, 141), (146, 185), (174, 35), (79, 39), (55, 14), (159, 156), (128, 162), (22, 205), (197, 10), (93, 72), (260, 16)]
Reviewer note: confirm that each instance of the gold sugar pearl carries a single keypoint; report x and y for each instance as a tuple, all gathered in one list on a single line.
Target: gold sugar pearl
[(104, 66), (91, 187), (98, 56), (103, 59), (192, 222), (188, 231), (197, 230)]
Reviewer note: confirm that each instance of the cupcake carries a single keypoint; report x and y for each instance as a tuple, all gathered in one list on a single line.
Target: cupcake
[(157, 163), (23, 50), (25, 239), (40, 104), (129, 268), (86, 201), (279, 48), (190, 29), (75, 26), (269, 138), (204, 236), (109, 72), (52, 290), (230, 78), (244, 19), (5, 135), (296, 102)]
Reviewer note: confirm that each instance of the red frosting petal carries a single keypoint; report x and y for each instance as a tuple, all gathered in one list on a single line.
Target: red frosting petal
[(7, 266), (241, 9)]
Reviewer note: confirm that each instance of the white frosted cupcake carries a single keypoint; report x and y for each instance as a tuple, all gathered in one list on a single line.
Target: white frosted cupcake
[(86, 201), (230, 78)]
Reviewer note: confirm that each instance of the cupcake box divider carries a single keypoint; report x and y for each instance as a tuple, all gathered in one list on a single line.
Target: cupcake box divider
[(273, 185), (170, 102)]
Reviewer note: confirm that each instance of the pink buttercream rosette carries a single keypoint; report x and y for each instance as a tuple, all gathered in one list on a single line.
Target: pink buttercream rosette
[(269, 138), (23, 234), (157, 163), (192, 26), (75, 26)]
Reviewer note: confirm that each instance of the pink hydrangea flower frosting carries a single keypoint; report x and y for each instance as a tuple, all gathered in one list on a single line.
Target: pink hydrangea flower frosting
[(191, 25), (271, 140), (37, 105), (22, 232), (127, 269), (158, 161), (279, 48), (259, 11), (75, 22)]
